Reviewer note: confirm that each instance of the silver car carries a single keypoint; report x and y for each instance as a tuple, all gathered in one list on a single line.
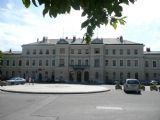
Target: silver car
[(16, 81), (132, 85)]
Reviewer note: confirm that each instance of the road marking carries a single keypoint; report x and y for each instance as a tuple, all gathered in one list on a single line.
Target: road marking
[(108, 108)]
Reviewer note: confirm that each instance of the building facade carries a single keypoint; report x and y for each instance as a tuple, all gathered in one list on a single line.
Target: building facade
[(70, 60)]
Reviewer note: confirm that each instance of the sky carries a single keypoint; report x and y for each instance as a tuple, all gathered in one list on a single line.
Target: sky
[(19, 25)]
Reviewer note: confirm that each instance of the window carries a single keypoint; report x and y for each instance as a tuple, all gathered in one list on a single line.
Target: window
[(47, 51), (20, 63), (121, 75), (113, 51), (61, 62), (114, 75), (128, 52), (27, 62), (96, 63), (53, 51), (114, 62), (34, 51), (79, 62), (72, 51), (13, 63), (121, 62), (79, 51), (1, 62), (86, 62), (135, 51), (128, 75), (40, 52), (47, 62), (155, 75), (40, 62), (97, 75), (106, 52), (53, 62), (7, 62), (72, 62), (147, 76), (33, 63), (128, 63), (87, 51), (121, 51), (106, 62), (154, 64), (97, 50), (62, 50), (28, 52), (135, 63), (146, 64), (136, 75)]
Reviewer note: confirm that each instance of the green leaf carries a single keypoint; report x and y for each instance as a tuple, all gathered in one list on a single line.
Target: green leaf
[(45, 10), (26, 3), (75, 4), (34, 2), (85, 24)]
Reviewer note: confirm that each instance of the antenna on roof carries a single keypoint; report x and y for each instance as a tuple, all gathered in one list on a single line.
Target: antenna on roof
[(63, 32), (97, 32)]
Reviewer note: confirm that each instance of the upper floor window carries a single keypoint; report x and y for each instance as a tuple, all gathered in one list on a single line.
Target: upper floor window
[(61, 62), (128, 75), (53, 62), (135, 51), (114, 75), (79, 62), (40, 62), (121, 51), (54, 51), (72, 62), (154, 64), (79, 51), (87, 51), (114, 62), (47, 62), (106, 62), (114, 51), (20, 63), (47, 51), (128, 51), (128, 62), (136, 63), (86, 62), (106, 51), (121, 62), (155, 75), (27, 63), (40, 52), (13, 63), (97, 50), (28, 52), (33, 63), (146, 64), (34, 51), (7, 62), (72, 51), (62, 50), (96, 63)]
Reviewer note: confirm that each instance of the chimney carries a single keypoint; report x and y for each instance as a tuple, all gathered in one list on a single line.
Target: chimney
[(74, 39), (148, 49), (121, 39)]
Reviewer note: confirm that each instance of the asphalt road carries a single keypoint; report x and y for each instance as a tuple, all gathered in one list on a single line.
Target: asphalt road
[(113, 105)]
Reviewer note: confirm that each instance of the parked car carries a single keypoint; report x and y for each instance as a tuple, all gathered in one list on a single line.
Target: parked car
[(16, 81), (145, 82), (132, 85), (154, 82)]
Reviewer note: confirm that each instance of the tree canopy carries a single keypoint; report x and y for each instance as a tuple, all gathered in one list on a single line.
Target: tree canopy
[(98, 12)]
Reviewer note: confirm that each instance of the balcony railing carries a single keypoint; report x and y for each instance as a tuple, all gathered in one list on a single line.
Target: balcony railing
[(81, 67)]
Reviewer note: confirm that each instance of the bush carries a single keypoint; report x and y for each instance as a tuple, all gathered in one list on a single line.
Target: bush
[(153, 87), (142, 87), (118, 86)]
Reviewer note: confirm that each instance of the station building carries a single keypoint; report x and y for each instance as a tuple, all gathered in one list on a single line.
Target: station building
[(104, 60)]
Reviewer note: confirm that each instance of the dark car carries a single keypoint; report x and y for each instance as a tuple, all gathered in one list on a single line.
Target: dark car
[(16, 81)]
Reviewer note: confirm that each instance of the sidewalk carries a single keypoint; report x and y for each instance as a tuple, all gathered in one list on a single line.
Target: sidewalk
[(55, 88)]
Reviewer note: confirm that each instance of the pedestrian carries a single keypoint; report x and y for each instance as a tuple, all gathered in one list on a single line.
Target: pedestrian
[(30, 80)]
